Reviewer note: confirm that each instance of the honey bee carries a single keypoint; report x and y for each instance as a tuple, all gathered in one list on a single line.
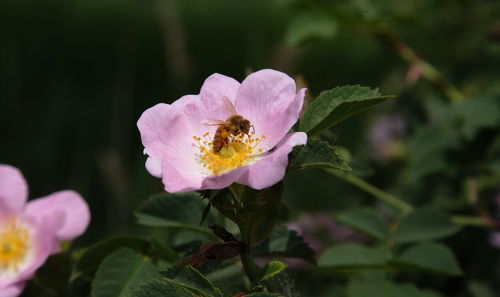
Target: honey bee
[(234, 125)]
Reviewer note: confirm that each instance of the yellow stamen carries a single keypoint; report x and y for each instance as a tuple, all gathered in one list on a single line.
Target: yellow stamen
[(240, 151), (14, 245)]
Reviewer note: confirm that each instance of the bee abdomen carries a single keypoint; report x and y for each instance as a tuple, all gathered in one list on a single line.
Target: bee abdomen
[(218, 143), (220, 138)]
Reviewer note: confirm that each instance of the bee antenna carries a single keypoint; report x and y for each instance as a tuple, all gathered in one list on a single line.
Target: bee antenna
[(253, 128)]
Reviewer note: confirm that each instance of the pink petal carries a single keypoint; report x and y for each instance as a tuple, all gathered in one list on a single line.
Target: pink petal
[(180, 177), (223, 180), (12, 290), (167, 134), (13, 190), (150, 124), (153, 166), (269, 100), (64, 213), (43, 245), (195, 112), (214, 88), (180, 172), (165, 128), (271, 169)]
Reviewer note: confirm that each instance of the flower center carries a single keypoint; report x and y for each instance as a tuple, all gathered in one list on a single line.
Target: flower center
[(240, 150), (14, 245)]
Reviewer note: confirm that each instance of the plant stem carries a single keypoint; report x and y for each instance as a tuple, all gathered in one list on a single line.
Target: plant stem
[(471, 220), (251, 269), (403, 206), (249, 266), (428, 71), (384, 196)]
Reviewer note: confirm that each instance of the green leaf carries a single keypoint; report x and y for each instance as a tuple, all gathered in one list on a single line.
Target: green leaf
[(122, 272), (93, 256), (260, 213), (409, 290), (429, 146), (367, 285), (479, 289), (352, 255), (159, 250), (162, 288), (309, 25), (223, 201), (79, 286), (387, 289), (192, 280), (433, 257), (317, 154), (55, 273), (272, 269), (423, 225), (366, 221), (494, 149), (206, 212), (222, 274), (381, 287), (263, 294), (181, 210), (335, 105), (285, 243), (478, 113)]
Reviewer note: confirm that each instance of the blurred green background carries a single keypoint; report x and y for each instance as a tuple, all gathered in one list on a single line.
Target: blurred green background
[(76, 75)]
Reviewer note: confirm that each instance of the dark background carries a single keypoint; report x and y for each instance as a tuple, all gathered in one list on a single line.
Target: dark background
[(76, 75)]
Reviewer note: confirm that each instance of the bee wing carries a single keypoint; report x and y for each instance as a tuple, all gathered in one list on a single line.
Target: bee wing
[(228, 105), (212, 122)]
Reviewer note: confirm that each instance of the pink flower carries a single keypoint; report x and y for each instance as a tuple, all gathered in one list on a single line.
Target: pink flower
[(30, 232), (179, 145)]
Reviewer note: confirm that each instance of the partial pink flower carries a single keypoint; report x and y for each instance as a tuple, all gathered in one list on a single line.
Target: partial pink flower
[(30, 232), (179, 145), (386, 137)]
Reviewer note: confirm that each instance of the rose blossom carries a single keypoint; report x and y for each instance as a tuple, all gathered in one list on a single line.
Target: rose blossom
[(30, 232), (179, 145)]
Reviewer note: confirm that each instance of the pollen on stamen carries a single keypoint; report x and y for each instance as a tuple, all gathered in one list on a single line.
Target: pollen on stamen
[(240, 150), (14, 246)]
